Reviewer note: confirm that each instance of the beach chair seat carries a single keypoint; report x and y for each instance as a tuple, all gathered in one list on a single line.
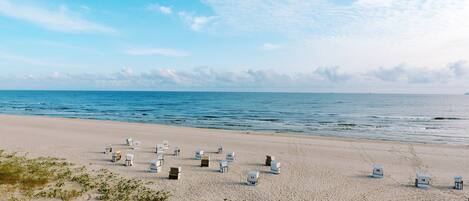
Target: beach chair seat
[(205, 162), (129, 160), (269, 159), (230, 156), (253, 178), (175, 173), (378, 171), (155, 166), (129, 141), (422, 181), (116, 156), (223, 166), (275, 167), (198, 154), (458, 183)]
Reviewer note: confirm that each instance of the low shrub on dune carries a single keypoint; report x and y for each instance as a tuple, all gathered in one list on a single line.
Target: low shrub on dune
[(22, 178)]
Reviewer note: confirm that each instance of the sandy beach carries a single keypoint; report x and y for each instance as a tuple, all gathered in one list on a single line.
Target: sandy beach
[(313, 168)]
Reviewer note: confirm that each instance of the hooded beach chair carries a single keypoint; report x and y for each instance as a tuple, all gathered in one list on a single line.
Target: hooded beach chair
[(160, 157), (422, 180), (253, 178), (129, 141), (275, 167), (175, 173), (129, 160), (458, 183), (205, 162), (198, 154), (378, 171), (116, 156), (223, 166), (165, 145), (230, 157), (136, 145), (159, 148), (268, 159), (108, 149), (220, 149), (177, 151), (155, 166)]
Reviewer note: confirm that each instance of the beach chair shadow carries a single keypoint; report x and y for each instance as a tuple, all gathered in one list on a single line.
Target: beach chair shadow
[(364, 176), (234, 183), (96, 152), (206, 170), (255, 164)]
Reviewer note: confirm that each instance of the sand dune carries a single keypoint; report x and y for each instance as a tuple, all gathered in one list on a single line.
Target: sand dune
[(313, 168)]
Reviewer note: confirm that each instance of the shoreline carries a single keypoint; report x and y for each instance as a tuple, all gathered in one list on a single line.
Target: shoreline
[(247, 132), (313, 167)]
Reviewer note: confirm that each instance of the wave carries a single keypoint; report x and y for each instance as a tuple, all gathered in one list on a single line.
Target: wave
[(269, 120), (447, 118), (347, 125)]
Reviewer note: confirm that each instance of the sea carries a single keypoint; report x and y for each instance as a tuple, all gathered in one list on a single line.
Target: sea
[(442, 119)]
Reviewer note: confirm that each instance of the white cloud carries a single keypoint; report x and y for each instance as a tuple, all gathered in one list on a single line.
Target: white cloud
[(57, 20), (332, 74), (156, 51), (270, 46), (165, 10), (410, 74), (360, 35), (401, 78), (389, 75), (162, 9), (196, 23), (459, 68), (127, 72)]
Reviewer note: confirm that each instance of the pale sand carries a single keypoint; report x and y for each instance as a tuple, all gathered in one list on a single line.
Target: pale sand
[(313, 168)]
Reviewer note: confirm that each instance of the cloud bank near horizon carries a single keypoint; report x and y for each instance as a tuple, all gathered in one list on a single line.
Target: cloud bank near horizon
[(204, 78)]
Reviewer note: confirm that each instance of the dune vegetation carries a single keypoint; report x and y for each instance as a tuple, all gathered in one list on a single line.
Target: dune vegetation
[(23, 178)]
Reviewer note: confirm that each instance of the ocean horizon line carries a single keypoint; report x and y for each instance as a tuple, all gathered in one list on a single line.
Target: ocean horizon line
[(227, 91)]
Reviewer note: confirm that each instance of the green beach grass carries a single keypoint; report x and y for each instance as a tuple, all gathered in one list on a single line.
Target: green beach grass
[(23, 178)]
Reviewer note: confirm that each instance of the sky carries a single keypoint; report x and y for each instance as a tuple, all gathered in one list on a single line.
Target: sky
[(356, 46)]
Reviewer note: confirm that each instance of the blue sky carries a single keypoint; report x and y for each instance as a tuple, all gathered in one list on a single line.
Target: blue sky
[(385, 46)]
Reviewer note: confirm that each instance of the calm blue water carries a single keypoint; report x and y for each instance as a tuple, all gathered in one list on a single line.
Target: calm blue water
[(416, 118)]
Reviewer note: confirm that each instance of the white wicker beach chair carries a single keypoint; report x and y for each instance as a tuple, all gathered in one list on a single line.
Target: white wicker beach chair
[(223, 166), (458, 183), (230, 156), (422, 180), (129, 141), (378, 171), (155, 166), (275, 167), (129, 160), (253, 178), (198, 154)]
